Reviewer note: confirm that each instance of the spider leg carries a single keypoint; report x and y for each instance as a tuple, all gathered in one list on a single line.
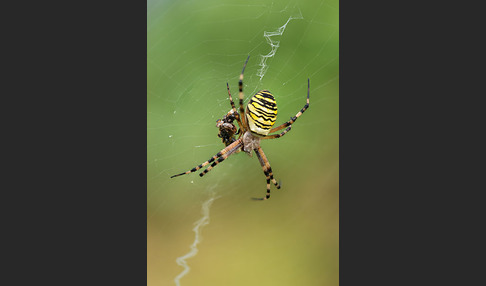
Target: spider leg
[(232, 148), (277, 135), (293, 119), (221, 153), (241, 96), (267, 170), (231, 98), (237, 115)]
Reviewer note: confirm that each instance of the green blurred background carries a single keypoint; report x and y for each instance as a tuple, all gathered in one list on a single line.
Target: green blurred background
[(194, 48)]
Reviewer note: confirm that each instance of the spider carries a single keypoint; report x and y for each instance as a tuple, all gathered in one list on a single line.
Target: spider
[(255, 124)]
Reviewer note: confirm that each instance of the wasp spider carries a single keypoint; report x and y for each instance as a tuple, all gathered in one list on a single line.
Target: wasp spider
[(255, 124)]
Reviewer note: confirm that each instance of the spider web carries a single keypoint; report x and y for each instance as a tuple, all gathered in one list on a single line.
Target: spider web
[(193, 49)]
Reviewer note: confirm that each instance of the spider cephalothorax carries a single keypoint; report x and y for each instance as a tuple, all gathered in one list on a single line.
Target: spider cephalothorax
[(255, 124), (250, 142)]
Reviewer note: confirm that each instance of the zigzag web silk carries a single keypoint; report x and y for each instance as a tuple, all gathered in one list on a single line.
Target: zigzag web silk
[(198, 225), (204, 220)]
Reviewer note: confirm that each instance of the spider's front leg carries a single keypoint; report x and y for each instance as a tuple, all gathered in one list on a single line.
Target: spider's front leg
[(220, 156), (267, 170), (228, 151)]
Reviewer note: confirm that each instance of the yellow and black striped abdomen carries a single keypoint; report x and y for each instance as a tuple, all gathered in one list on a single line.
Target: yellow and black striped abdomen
[(261, 112)]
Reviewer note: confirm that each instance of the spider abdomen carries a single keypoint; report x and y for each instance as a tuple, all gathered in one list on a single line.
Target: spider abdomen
[(261, 112)]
